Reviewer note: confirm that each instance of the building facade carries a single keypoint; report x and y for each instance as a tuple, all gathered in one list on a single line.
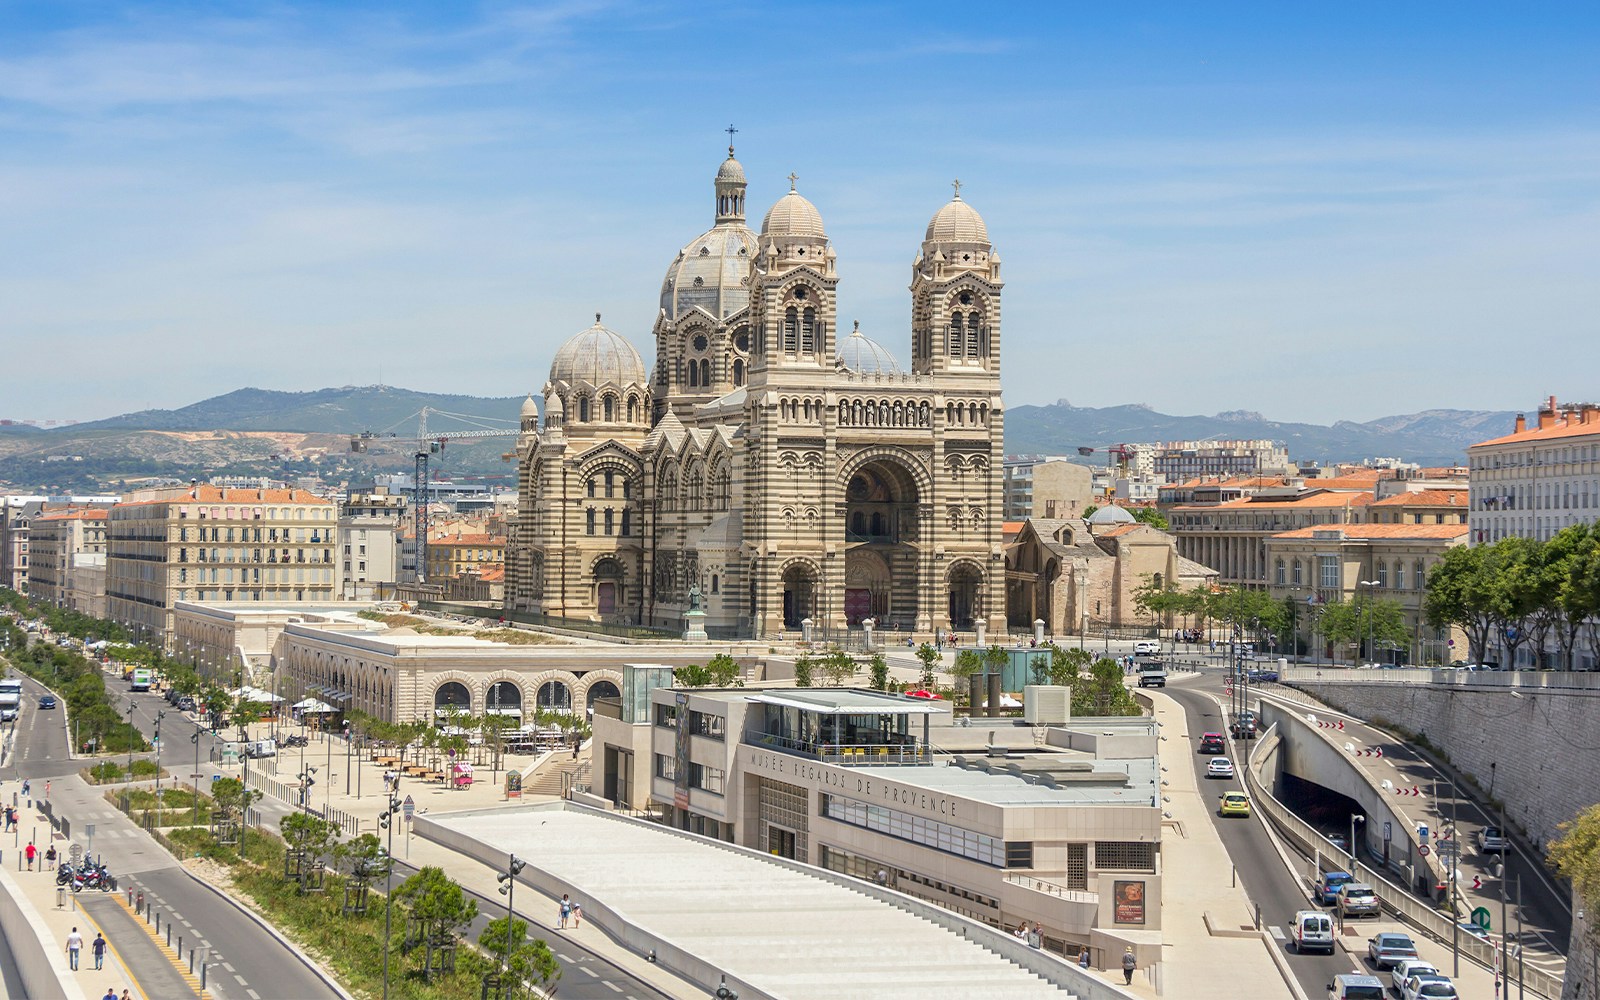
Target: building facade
[(845, 779), (1538, 479), (1317, 566), (1231, 536), (370, 526), (451, 556), (770, 468), (1179, 460), (208, 543), (67, 565)]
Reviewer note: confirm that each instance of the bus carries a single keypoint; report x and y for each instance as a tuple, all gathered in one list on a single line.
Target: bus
[(141, 679)]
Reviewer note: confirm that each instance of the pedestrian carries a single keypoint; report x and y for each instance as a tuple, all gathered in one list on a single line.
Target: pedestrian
[(47, 789), (126, 995), (1083, 958), (26, 784), (98, 946), (74, 945), (1021, 933), (577, 741), (111, 993), (31, 852), (50, 858), (566, 911), (577, 914), (1035, 936), (1129, 963), (883, 876)]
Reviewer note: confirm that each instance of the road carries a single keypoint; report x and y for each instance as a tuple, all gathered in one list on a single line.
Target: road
[(1267, 882), (247, 963), (585, 974)]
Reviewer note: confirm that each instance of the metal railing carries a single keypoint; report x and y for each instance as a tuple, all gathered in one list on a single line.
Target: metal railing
[(856, 754), (1054, 889)]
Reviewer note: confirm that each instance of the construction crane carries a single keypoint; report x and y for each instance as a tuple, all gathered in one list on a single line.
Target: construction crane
[(1122, 453), (429, 445)]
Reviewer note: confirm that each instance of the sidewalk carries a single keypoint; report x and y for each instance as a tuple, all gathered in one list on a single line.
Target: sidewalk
[(1197, 900), (60, 911), (488, 792)]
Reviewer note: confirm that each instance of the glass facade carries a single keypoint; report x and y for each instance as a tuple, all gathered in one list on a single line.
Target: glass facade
[(917, 829)]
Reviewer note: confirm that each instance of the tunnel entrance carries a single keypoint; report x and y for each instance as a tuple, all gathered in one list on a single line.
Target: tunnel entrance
[(1329, 812)]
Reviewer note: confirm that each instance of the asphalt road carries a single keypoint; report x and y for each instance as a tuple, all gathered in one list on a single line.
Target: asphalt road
[(246, 962), (1261, 871)]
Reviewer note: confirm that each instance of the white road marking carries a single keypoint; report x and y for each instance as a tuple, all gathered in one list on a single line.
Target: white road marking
[(225, 965), (613, 987), (589, 972), (564, 957), (1277, 932)]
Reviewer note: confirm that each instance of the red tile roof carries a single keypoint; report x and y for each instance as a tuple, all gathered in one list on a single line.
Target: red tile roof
[(1313, 500), (1366, 531), (1585, 423), (89, 514), (1426, 498), (459, 539)]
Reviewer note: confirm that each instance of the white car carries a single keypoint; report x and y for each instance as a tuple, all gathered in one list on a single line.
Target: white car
[(1429, 988), (1145, 647), (1407, 968), (1219, 767)]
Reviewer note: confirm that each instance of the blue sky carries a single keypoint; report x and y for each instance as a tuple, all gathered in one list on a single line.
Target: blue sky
[(1319, 213)]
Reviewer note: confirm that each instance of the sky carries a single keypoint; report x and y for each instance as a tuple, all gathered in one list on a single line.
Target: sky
[(1319, 212)]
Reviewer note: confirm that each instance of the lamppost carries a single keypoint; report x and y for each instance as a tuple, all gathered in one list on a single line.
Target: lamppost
[(386, 820), (130, 738), (508, 889), (1354, 819), (1372, 586), (308, 779)]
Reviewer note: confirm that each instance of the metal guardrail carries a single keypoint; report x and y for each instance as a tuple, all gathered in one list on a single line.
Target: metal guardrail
[(1309, 841), (1054, 889), (1555, 680)]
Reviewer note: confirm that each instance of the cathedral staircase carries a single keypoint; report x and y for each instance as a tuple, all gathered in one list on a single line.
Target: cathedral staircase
[(560, 772)]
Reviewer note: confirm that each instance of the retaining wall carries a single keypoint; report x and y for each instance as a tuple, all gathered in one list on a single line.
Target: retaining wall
[(41, 964)]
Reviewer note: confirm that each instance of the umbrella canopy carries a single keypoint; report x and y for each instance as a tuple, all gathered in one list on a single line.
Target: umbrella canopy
[(921, 693), (254, 694), (312, 706)]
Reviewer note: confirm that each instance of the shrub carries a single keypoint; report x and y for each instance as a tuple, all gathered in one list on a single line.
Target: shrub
[(106, 771)]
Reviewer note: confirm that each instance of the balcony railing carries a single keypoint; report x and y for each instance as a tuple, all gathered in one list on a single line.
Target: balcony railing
[(890, 752)]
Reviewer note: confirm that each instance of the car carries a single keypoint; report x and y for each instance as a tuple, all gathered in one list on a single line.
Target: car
[(1212, 743), (8, 713), (1219, 767), (1263, 676), (1356, 986), (1358, 899), (1243, 728), (1234, 804), (1145, 647), (1327, 891), (1491, 841), (1429, 988), (1467, 927), (47, 701), (1391, 947), (1408, 967), (1313, 931), (185, 703), (1339, 841)]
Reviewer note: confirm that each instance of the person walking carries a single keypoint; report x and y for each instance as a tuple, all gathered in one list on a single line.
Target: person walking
[(577, 914), (31, 852), (98, 947), (74, 945), (111, 993), (566, 911), (1129, 963), (50, 858)]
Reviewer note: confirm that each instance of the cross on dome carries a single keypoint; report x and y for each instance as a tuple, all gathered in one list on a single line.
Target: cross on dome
[(730, 130), (957, 185), (792, 178)]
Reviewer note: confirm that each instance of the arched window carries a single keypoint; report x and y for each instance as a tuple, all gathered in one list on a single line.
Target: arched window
[(738, 373), (1418, 575), (611, 484), (705, 373), (611, 521), (953, 336), (1383, 574), (1399, 574), (589, 525), (694, 375), (1298, 578), (808, 332), (972, 336), (610, 408), (626, 527), (633, 409), (591, 486), (791, 323), (583, 409)]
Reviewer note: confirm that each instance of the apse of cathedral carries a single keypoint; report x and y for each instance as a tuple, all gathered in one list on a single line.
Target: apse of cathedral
[(778, 465)]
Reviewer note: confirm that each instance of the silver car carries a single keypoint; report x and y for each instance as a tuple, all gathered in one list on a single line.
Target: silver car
[(1357, 899)]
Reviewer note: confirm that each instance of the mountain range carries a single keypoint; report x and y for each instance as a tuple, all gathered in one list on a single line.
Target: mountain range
[(282, 435)]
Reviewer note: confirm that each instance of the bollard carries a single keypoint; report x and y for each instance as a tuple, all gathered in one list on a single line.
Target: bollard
[(158, 923), (169, 934), (180, 947), (202, 975), (130, 896), (191, 961)]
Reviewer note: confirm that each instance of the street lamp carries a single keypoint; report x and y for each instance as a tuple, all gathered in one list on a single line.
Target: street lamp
[(386, 820), (1354, 819), (308, 778), (508, 889), (1372, 586)]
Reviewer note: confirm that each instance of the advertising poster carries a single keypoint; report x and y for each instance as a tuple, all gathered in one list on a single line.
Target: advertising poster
[(1127, 900)]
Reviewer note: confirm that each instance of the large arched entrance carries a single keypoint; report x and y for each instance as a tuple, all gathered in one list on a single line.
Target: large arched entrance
[(600, 689), (881, 514), (555, 696), (608, 586), (452, 696), (504, 698), (799, 594), (966, 588)]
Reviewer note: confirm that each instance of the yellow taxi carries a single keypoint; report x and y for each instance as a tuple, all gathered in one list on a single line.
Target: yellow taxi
[(1234, 804)]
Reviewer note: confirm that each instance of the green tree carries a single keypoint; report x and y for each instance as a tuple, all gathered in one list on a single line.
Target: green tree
[(804, 670), (1575, 855), (1151, 516), (231, 797), (439, 903), (1248, 611), (1066, 665), (1567, 604), (692, 676), (1100, 692), (1458, 595), (724, 670), (363, 857), (528, 963), (838, 667), (929, 656), (1366, 622), (967, 663), (878, 667)]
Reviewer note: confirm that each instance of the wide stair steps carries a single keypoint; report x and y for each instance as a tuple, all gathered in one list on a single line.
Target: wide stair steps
[(557, 772)]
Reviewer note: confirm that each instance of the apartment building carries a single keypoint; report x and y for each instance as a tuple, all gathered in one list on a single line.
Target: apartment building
[(209, 543), (1180, 460), (1230, 537), (1538, 479), (67, 559), (449, 556), (370, 528), (1056, 477), (16, 519)]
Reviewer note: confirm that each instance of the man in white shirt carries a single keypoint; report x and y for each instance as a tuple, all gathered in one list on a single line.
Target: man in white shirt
[(74, 945)]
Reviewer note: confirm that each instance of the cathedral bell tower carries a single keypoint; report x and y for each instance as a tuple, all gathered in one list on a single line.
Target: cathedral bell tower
[(955, 295), (795, 289)]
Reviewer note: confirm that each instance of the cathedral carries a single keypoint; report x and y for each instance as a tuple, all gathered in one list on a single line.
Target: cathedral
[(776, 465)]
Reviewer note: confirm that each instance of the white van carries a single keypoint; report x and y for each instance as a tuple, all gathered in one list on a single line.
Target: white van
[(1356, 986), (261, 748), (1313, 931)]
